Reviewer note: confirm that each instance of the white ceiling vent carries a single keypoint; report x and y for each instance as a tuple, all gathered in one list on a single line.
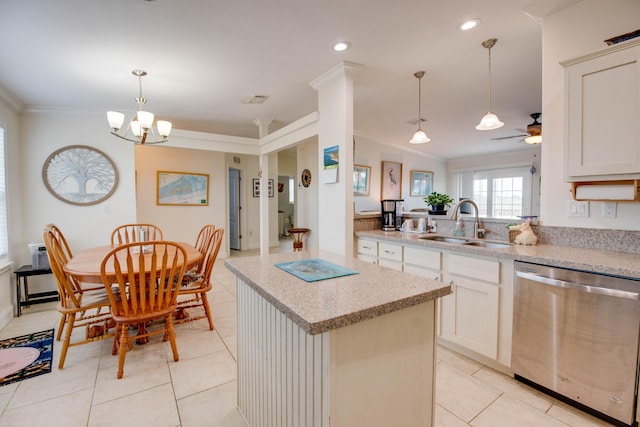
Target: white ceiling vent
[(256, 99)]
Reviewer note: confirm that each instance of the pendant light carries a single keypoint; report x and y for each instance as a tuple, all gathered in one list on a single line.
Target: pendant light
[(419, 137), (489, 121)]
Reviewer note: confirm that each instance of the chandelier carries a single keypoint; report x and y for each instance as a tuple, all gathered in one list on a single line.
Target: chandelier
[(489, 121), (139, 130)]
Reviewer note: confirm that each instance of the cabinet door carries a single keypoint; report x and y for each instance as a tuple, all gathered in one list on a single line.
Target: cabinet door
[(602, 110), (469, 316)]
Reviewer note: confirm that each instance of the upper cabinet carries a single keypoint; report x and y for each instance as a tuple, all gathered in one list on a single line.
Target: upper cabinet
[(602, 101)]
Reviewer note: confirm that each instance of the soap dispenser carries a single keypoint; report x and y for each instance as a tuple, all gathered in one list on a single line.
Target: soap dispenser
[(459, 230)]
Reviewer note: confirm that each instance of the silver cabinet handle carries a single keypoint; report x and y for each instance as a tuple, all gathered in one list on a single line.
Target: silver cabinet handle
[(366, 247), (386, 251), (579, 287)]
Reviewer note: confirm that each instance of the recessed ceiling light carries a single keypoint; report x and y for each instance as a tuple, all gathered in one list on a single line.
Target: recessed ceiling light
[(469, 24), (341, 46)]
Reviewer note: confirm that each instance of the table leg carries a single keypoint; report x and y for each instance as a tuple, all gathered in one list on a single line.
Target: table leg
[(18, 294), (142, 329)]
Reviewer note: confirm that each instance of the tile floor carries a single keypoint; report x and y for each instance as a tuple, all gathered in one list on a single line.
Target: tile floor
[(200, 390)]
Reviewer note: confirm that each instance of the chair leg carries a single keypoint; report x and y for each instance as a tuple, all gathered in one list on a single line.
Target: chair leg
[(172, 337), (207, 310), (124, 342), (116, 340), (67, 339), (63, 320)]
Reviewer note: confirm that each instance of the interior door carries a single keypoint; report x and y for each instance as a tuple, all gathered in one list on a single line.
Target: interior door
[(234, 209)]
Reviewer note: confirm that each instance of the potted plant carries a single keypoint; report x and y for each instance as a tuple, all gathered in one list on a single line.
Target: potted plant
[(438, 203)]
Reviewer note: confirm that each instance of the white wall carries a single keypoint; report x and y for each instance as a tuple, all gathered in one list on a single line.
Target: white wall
[(369, 153), (307, 210), (575, 31), (181, 223)]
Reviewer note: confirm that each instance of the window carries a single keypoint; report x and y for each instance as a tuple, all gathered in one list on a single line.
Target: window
[(502, 193), (499, 193), (4, 238), (292, 190)]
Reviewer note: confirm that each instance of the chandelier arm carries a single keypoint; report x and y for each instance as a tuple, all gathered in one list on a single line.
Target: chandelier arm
[(138, 141)]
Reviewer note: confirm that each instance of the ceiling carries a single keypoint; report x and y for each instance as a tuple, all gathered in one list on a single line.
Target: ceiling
[(206, 58)]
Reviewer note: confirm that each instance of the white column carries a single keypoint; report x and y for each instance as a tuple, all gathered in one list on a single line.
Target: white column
[(335, 127), (263, 130)]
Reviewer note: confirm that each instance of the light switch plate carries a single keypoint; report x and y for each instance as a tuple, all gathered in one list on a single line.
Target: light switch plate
[(577, 209), (609, 209)]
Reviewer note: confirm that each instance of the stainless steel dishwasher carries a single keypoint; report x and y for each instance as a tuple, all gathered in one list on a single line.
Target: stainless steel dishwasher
[(575, 335)]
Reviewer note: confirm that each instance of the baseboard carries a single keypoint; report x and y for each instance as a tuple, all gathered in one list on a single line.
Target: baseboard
[(6, 315)]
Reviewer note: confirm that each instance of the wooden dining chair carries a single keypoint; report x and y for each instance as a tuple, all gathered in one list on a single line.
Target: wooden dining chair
[(129, 233), (88, 310), (142, 280), (196, 284)]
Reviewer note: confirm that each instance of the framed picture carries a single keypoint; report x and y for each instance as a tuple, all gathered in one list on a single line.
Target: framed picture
[(391, 181), (361, 177), (80, 175), (256, 187), (182, 189), (421, 183), (270, 187)]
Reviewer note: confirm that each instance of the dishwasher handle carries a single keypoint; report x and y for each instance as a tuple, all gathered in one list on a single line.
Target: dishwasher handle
[(616, 293)]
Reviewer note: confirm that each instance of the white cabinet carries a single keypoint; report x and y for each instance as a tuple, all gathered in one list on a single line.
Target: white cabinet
[(390, 255), (602, 107), (423, 262), (368, 250)]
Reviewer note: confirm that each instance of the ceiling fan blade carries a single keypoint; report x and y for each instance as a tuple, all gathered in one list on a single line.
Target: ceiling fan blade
[(509, 137)]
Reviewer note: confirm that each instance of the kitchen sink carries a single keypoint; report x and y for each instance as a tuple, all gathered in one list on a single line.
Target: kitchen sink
[(446, 239), (493, 245), (466, 242)]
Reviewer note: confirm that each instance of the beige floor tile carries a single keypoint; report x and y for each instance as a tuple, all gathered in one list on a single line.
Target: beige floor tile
[(574, 417), (55, 384), (155, 407), (227, 326), (224, 309), (507, 411), (232, 346), (445, 418), (195, 343), (143, 370), (458, 361), (69, 410), (520, 391), (202, 373), (214, 407), (461, 394)]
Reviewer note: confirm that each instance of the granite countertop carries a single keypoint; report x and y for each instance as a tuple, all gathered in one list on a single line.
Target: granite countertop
[(333, 303), (595, 260)]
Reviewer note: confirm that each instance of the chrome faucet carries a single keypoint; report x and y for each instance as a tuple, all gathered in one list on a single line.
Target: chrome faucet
[(478, 233)]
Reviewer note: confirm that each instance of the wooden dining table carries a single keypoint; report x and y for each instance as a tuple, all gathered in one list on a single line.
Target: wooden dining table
[(85, 267)]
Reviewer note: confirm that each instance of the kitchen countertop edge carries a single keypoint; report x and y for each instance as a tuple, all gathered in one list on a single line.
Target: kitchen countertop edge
[(612, 263)]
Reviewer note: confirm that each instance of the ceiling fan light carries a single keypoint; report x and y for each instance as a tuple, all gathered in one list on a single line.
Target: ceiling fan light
[(489, 121), (419, 137), (115, 120), (533, 139), (164, 128)]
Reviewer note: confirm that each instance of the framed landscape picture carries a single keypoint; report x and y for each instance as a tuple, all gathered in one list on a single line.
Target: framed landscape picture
[(391, 181), (421, 183), (182, 188)]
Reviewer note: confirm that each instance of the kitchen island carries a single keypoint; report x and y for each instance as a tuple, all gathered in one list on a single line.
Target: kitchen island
[(348, 351)]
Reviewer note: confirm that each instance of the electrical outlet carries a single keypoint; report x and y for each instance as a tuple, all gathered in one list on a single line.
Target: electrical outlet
[(577, 209), (609, 209)]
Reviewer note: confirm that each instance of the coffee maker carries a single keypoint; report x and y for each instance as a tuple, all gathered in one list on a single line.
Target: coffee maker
[(391, 214)]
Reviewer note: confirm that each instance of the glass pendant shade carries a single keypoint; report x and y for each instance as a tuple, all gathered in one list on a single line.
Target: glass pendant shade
[(164, 128), (115, 119), (146, 119), (135, 128), (419, 137), (489, 121)]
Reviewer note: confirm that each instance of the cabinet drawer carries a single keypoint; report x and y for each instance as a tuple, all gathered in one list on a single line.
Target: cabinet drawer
[(383, 262), (481, 269), (389, 251), (423, 272), (368, 247), (422, 257)]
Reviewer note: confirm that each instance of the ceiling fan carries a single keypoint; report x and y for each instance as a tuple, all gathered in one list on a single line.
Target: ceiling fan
[(534, 132)]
